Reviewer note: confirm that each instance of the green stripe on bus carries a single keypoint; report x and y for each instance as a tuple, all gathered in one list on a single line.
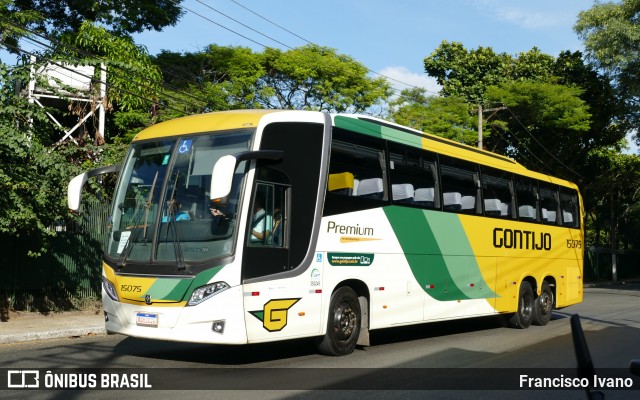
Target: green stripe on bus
[(429, 252), (376, 130), (167, 289), (356, 125), (174, 289), (463, 267), (423, 253)]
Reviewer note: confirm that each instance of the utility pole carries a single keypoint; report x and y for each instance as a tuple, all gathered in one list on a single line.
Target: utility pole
[(480, 111), (480, 126)]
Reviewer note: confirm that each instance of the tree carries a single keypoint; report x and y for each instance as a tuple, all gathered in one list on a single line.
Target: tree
[(611, 34), (317, 78), (305, 78), (31, 178), (120, 16), (543, 127), (466, 73), (448, 117), (613, 199), (218, 78)]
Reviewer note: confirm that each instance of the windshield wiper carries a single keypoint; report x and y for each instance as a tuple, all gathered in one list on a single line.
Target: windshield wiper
[(172, 207), (122, 261)]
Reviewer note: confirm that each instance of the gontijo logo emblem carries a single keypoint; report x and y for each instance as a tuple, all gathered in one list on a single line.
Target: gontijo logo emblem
[(274, 314)]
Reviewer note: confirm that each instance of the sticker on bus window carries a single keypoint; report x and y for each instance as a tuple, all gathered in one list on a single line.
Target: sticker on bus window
[(165, 160), (124, 238), (185, 146)]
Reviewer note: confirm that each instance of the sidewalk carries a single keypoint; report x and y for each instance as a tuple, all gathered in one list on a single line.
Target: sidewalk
[(23, 326), (26, 326)]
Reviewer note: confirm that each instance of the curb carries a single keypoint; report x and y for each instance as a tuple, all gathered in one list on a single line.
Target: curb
[(54, 334)]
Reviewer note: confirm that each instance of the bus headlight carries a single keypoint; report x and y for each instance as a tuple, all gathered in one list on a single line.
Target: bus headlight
[(110, 289), (207, 291)]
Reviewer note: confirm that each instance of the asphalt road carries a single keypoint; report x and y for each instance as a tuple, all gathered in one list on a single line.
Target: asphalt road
[(460, 359)]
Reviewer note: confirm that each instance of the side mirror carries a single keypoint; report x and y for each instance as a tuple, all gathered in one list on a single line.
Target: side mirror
[(225, 167), (74, 189), (222, 176)]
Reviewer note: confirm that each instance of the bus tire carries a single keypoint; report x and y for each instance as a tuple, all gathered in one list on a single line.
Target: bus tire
[(543, 306), (524, 315), (343, 324)]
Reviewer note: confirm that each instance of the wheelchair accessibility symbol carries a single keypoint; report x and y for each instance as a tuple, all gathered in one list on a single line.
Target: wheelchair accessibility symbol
[(185, 146)]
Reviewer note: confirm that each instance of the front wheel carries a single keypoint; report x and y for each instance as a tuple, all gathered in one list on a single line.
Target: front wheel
[(522, 318), (543, 306), (343, 325)]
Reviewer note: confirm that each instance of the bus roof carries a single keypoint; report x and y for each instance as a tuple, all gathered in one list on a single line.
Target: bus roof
[(371, 126), (221, 120)]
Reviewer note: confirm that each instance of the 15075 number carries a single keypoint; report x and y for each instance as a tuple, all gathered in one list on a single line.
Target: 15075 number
[(574, 244)]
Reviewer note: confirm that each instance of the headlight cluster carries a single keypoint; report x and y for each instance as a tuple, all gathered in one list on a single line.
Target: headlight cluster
[(110, 289), (207, 291)]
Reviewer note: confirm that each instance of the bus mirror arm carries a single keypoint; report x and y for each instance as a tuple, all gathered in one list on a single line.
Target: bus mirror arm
[(225, 167), (74, 189)]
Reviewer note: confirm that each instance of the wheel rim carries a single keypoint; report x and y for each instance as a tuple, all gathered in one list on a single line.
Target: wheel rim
[(344, 321), (546, 303)]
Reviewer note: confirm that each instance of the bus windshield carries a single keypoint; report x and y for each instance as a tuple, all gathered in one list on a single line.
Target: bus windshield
[(161, 210)]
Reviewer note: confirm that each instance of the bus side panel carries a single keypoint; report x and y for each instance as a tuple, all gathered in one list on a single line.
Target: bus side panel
[(525, 250), (362, 246), (285, 308)]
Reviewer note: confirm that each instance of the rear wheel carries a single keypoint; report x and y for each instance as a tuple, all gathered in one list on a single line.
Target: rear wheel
[(522, 318), (343, 325), (543, 306)]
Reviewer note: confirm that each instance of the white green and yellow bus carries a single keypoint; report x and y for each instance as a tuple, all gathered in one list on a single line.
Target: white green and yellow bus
[(261, 225)]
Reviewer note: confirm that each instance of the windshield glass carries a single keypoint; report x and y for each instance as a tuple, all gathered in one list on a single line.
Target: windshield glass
[(161, 209)]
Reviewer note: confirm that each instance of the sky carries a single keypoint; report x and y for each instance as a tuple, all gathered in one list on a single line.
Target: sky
[(390, 37)]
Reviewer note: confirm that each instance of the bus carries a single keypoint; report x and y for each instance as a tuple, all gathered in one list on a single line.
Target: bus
[(252, 226)]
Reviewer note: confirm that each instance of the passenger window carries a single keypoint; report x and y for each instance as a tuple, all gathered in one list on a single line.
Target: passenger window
[(498, 193), (460, 186), (527, 198), (570, 208), (413, 177), (357, 175), (549, 205)]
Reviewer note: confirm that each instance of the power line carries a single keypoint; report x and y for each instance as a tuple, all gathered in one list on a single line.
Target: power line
[(26, 52), (277, 41), (218, 24), (314, 44), (246, 26), (540, 144), (87, 53)]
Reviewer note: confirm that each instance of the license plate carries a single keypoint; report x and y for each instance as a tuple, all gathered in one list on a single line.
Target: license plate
[(147, 319)]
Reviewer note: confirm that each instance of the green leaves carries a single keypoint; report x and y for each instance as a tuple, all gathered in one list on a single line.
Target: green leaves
[(317, 78), (133, 80), (448, 117)]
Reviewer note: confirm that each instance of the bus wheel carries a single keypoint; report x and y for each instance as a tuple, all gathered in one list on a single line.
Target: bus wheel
[(543, 306), (523, 317), (343, 325)]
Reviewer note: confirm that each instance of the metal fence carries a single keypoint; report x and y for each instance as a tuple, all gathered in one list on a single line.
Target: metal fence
[(599, 265), (67, 275)]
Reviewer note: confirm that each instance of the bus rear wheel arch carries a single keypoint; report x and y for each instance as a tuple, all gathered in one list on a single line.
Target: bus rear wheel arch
[(343, 323)]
